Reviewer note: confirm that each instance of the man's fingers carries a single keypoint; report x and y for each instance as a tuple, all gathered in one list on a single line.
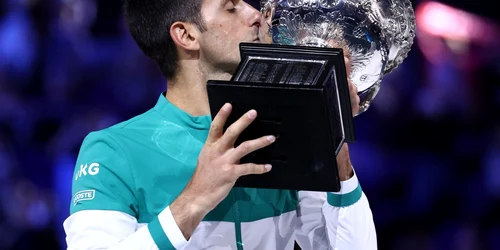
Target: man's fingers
[(347, 62), (355, 107), (353, 91), (232, 132), (248, 147), (217, 126), (251, 168)]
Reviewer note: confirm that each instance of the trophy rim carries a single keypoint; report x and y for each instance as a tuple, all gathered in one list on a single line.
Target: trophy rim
[(408, 40), (403, 41)]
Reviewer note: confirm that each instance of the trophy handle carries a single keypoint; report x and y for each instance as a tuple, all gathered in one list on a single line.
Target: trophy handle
[(371, 93)]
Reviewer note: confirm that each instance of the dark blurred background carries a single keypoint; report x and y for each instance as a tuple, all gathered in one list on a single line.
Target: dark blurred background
[(428, 150)]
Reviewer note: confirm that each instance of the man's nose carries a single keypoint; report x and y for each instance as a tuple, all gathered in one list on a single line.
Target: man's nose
[(255, 17)]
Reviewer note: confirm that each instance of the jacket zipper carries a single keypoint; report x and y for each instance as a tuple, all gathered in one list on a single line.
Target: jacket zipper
[(237, 223)]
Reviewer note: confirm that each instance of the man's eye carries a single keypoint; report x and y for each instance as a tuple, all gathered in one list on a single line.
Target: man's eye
[(230, 7)]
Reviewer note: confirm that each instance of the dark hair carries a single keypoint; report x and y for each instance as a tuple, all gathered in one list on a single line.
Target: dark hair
[(149, 23)]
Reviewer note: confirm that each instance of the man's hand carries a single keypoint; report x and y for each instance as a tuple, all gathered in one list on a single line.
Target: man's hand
[(217, 170), (353, 89), (343, 159)]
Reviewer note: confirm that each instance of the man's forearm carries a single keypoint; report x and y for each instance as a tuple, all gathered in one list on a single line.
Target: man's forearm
[(187, 214), (114, 230), (344, 163)]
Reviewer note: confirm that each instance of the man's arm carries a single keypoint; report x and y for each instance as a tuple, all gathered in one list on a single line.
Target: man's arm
[(113, 230), (342, 220), (103, 210), (349, 219)]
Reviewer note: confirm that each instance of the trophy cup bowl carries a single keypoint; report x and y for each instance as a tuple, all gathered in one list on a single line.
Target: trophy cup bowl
[(376, 35)]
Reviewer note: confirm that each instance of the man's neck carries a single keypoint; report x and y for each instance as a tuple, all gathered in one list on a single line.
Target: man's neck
[(188, 90)]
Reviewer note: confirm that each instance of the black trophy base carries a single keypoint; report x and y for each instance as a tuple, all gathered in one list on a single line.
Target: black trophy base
[(308, 140)]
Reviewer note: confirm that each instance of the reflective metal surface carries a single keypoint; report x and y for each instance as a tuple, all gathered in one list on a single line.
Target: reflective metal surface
[(376, 35)]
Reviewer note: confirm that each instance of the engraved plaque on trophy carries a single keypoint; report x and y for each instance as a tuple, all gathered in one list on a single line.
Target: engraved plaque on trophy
[(301, 95)]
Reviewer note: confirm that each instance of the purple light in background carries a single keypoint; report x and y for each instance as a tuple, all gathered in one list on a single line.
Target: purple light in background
[(445, 32)]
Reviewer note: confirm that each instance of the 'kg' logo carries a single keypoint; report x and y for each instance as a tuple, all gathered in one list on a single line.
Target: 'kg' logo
[(93, 169)]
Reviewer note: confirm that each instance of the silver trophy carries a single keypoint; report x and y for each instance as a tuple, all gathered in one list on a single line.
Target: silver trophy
[(376, 35)]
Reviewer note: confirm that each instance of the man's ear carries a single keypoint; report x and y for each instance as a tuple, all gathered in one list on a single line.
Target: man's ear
[(185, 36)]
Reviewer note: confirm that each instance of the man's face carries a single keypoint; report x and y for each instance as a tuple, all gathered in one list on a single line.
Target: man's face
[(228, 23)]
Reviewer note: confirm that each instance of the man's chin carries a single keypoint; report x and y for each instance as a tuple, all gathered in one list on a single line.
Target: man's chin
[(260, 39), (229, 68), (232, 69)]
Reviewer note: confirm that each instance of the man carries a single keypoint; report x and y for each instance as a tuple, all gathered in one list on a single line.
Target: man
[(164, 179)]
